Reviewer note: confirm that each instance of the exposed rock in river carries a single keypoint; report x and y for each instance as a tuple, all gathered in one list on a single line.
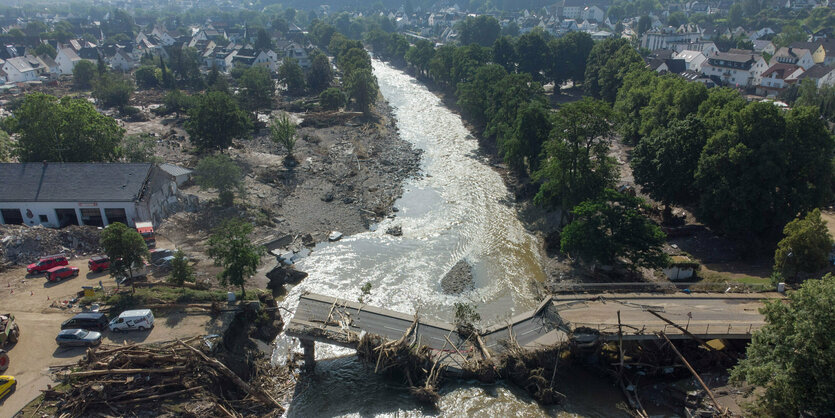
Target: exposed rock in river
[(281, 275), (458, 279)]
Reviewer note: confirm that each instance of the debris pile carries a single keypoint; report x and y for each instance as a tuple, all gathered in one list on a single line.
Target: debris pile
[(24, 244), (168, 377)]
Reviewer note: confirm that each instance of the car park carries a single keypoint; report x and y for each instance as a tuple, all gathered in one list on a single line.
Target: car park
[(137, 319), (56, 274), (78, 338), (87, 320), (98, 263), (7, 385), (45, 263)]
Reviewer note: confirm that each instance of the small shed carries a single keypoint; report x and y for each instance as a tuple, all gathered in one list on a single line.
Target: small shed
[(179, 174), (681, 268)]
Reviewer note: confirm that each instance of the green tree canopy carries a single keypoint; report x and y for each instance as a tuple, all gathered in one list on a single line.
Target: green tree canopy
[(178, 102), (83, 74), (181, 271), (577, 166), (138, 148), (290, 73), (482, 30), (6, 147), (146, 76), (420, 54), (805, 247), (215, 121), (263, 41), (362, 88), (45, 50), (332, 99), (504, 53), (65, 130), (532, 53), (232, 249), (793, 355), (758, 172), (531, 129), (608, 62), (258, 88), (221, 173), (320, 75), (112, 90), (283, 132), (125, 247), (612, 227), (664, 163), (568, 57)]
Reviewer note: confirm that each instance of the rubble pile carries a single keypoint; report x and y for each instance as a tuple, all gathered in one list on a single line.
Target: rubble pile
[(182, 375), (21, 244)]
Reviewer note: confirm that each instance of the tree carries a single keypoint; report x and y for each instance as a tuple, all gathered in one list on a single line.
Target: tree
[(290, 73), (146, 77), (577, 165), (792, 356), (6, 147), (45, 49), (221, 173), (531, 130), (504, 53), (65, 130), (126, 249), (568, 57), (320, 76), (112, 90), (178, 102), (764, 167), (181, 270), (532, 53), (420, 54), (362, 88), (612, 227), (805, 248), (664, 163), (83, 74), (263, 41), (257, 88), (332, 99), (138, 148), (735, 15), (232, 249), (644, 23), (215, 121), (608, 62), (283, 131), (482, 30)]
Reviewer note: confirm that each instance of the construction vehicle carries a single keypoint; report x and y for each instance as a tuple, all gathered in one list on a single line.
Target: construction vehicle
[(146, 229)]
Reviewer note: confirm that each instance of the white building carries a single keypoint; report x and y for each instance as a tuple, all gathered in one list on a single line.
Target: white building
[(692, 59), (663, 38), (797, 56), (66, 60), (60, 194), (593, 13), (731, 69), (18, 69), (122, 61), (777, 77)]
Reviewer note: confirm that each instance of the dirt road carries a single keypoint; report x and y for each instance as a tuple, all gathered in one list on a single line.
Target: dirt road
[(35, 305)]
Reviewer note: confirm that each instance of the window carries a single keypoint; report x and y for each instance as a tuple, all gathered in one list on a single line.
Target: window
[(115, 215), (91, 216), (43, 218), (12, 216)]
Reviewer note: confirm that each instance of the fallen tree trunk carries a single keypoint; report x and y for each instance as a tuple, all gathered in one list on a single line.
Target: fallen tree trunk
[(88, 373)]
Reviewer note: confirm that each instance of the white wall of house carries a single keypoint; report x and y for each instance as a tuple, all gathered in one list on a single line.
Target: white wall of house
[(47, 210), (15, 76), (729, 76), (65, 62)]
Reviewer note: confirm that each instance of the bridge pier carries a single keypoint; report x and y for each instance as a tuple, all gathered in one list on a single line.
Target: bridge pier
[(309, 347)]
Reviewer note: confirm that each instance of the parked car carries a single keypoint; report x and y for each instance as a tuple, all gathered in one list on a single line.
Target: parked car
[(159, 254), (138, 273), (137, 319), (78, 338), (56, 274), (8, 384), (87, 320), (98, 263), (46, 263)]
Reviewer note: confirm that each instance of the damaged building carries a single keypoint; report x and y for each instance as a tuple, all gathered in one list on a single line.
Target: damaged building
[(60, 194)]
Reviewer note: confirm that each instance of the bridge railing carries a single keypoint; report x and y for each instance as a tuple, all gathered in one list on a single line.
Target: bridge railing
[(714, 328)]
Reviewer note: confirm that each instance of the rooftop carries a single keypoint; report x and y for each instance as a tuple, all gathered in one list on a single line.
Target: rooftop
[(72, 182)]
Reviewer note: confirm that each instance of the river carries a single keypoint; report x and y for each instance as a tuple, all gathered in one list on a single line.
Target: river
[(458, 208)]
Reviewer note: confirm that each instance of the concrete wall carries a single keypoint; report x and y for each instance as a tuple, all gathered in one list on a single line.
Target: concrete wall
[(48, 209)]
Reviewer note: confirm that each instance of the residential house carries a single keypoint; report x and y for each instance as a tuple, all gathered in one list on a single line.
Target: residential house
[(573, 9), (762, 46), (693, 60), (775, 79), (19, 69), (821, 75), (663, 38), (122, 61), (593, 13), (823, 50), (61, 194), (797, 56), (697, 77), (166, 38), (66, 59), (295, 51), (731, 69), (707, 48)]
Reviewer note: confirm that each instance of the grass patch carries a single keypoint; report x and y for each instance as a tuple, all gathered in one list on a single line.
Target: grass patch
[(48, 409), (717, 282)]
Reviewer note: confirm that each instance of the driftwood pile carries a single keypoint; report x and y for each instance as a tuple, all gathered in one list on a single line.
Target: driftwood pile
[(121, 380)]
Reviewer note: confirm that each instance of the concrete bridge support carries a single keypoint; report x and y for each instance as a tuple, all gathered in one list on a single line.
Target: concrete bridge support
[(309, 347)]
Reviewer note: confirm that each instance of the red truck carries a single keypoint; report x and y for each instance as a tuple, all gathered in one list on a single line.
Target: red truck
[(146, 229), (59, 273)]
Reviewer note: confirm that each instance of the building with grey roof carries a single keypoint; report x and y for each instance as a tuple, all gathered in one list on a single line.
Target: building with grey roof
[(61, 194)]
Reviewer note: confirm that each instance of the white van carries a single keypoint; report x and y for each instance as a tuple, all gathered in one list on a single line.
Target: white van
[(138, 319)]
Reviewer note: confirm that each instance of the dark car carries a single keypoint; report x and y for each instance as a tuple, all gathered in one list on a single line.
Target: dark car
[(46, 263), (60, 273), (98, 263), (87, 320), (159, 254), (78, 338)]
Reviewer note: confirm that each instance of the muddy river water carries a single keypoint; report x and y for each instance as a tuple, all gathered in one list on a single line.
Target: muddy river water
[(456, 209)]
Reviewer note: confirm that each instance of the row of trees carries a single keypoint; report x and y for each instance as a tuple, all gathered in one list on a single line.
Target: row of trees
[(748, 168)]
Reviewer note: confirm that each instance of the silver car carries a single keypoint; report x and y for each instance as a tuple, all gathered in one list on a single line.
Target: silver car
[(78, 338)]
